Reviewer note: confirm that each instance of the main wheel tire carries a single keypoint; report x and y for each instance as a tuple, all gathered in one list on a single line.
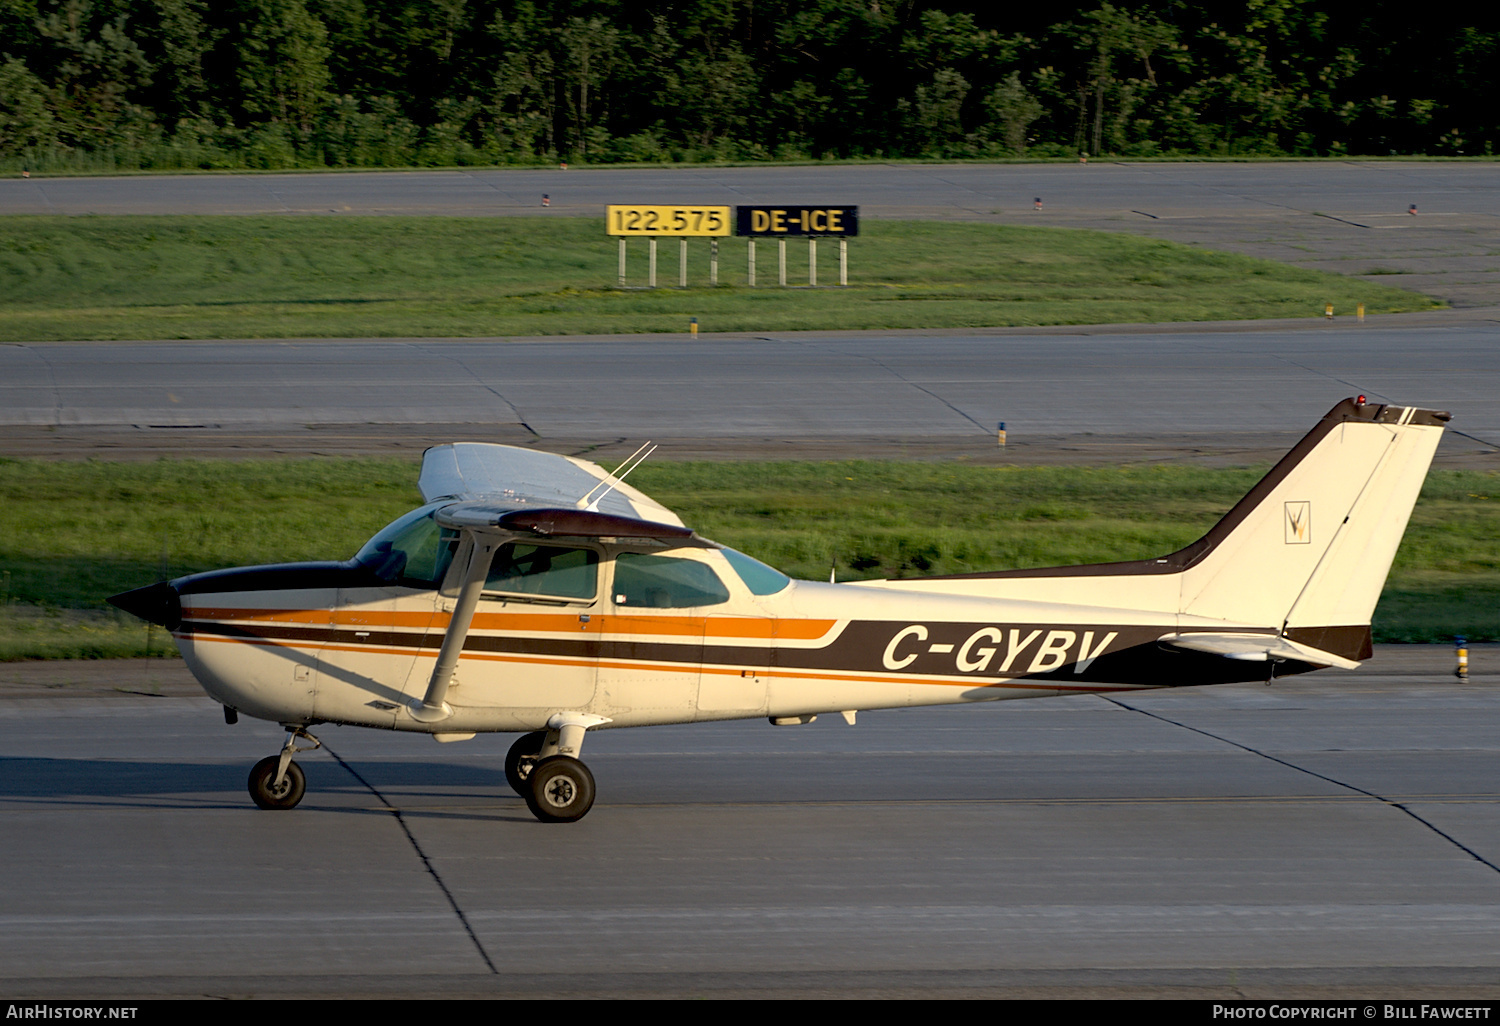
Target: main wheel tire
[(267, 796), (561, 790), (518, 760)]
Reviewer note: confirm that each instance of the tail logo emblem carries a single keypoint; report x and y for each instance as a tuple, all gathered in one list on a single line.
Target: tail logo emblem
[(1298, 523)]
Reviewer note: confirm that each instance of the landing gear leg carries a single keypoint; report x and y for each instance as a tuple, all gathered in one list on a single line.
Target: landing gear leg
[(276, 782)]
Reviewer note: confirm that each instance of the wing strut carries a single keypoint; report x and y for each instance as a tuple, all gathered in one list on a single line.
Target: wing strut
[(432, 708)]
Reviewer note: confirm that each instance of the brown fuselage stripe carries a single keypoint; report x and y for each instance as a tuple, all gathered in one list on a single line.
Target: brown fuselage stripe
[(682, 668), (1133, 659)]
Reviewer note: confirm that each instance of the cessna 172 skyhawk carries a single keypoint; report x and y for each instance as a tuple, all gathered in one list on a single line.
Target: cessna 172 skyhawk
[(540, 594)]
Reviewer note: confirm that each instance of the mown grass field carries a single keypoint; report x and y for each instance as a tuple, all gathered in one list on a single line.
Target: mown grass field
[(73, 533), (290, 277)]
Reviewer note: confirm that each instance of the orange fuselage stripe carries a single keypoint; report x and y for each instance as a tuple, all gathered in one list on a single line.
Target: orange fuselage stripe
[(536, 623)]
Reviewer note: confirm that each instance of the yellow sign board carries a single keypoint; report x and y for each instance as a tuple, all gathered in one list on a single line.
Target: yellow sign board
[(652, 220)]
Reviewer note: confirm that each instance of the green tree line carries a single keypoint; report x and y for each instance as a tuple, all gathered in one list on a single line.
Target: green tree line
[(102, 84)]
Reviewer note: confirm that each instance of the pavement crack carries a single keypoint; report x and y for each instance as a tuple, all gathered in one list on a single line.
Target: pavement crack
[(1371, 391), (520, 418), (1400, 806), (57, 403), (899, 377), (37, 187), (426, 862), (1341, 220), (269, 190), (927, 391)]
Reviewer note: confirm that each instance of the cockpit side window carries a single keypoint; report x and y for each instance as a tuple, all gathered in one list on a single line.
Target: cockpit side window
[(544, 572), (413, 552), (665, 582)]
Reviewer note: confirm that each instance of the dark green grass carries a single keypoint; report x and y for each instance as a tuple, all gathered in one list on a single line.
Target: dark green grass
[(72, 534), (288, 276)]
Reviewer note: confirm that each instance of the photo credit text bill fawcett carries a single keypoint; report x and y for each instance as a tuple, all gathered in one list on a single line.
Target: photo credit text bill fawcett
[(1316, 1010)]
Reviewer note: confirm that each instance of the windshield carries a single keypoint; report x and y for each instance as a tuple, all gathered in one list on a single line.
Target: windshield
[(413, 551), (759, 578)]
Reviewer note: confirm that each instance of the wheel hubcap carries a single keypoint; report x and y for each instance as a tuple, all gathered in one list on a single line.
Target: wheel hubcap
[(560, 793)]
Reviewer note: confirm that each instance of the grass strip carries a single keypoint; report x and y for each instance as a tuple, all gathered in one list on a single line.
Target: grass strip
[(72, 534), (72, 278)]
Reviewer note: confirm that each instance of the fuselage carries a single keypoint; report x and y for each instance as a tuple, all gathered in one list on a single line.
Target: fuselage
[(333, 642)]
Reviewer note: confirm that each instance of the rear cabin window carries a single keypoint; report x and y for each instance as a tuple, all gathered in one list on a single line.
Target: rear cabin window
[(413, 552), (665, 582), (544, 572)]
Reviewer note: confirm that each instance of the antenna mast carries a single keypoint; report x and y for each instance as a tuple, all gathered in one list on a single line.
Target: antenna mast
[(634, 460)]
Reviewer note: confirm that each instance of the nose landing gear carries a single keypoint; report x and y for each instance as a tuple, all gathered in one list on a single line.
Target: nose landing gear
[(276, 782)]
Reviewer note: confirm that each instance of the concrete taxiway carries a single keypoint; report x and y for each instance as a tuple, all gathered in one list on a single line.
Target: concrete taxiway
[(1336, 834)]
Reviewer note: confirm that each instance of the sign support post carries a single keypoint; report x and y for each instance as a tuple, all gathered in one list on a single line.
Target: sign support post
[(653, 222), (793, 220)]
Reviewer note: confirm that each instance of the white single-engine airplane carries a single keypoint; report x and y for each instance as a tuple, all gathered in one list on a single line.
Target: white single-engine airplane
[(540, 594)]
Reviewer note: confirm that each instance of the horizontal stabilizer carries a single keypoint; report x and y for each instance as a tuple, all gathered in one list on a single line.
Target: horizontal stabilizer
[(1256, 648)]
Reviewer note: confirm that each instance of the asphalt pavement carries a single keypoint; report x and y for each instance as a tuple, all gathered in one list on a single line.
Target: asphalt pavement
[(1353, 216), (1092, 395), (1331, 835)]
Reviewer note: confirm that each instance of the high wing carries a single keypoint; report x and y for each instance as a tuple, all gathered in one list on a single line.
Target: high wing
[(502, 491), (505, 479)]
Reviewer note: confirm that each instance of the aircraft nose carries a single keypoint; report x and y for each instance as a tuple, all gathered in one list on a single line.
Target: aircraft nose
[(157, 603)]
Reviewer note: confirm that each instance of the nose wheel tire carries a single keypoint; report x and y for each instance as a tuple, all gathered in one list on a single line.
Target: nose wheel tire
[(560, 789), (270, 796), (520, 760)]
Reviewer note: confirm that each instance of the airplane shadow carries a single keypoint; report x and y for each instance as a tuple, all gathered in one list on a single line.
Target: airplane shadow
[(44, 782)]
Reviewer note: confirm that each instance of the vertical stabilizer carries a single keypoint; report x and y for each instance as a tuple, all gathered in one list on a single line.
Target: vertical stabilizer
[(1311, 544)]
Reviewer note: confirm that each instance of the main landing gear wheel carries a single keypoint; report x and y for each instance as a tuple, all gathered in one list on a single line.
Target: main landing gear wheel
[(560, 789), (521, 760), (269, 795)]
